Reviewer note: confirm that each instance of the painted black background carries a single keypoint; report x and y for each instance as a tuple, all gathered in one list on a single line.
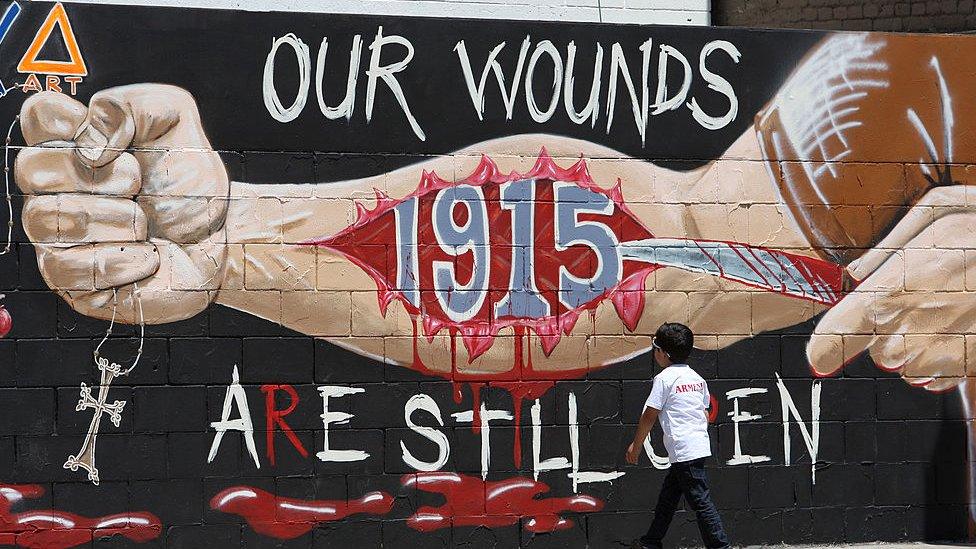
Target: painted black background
[(219, 56), (892, 458)]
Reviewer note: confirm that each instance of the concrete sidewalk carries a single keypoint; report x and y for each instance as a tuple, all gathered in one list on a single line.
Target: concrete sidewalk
[(869, 546)]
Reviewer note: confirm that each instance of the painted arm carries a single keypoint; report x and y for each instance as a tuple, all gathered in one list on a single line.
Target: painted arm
[(128, 191)]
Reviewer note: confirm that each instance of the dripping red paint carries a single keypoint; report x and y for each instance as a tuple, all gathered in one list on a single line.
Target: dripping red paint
[(521, 390)]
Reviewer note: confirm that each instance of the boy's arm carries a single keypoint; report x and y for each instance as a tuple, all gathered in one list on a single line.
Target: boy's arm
[(646, 423), (707, 401), (644, 426)]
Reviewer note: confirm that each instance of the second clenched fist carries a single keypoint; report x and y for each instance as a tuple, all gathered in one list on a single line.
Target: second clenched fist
[(124, 192)]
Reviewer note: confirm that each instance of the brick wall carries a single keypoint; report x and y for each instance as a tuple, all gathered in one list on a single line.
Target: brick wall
[(350, 237), (871, 15)]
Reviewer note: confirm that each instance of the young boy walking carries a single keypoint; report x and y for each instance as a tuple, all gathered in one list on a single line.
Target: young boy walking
[(679, 398)]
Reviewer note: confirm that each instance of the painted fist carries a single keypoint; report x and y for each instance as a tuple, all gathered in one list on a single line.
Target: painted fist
[(122, 194)]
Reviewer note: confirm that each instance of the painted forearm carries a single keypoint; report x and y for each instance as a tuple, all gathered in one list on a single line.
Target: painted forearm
[(357, 260), (274, 273)]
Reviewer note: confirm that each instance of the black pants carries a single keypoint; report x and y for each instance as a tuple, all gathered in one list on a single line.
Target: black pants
[(686, 478)]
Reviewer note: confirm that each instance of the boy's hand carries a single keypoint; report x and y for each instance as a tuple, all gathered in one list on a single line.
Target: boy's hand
[(633, 452)]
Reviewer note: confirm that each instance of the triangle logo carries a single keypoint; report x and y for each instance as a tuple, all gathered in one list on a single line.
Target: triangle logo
[(31, 64)]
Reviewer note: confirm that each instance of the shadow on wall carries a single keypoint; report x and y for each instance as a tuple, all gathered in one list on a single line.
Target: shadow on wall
[(946, 466)]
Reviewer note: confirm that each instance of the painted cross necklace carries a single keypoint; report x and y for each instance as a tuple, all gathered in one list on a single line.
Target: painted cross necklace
[(85, 458)]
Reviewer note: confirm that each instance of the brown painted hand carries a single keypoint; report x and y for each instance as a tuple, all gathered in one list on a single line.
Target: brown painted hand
[(127, 190), (913, 310)]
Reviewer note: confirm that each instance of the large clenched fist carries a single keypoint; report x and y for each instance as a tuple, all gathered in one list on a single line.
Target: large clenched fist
[(914, 309), (126, 193)]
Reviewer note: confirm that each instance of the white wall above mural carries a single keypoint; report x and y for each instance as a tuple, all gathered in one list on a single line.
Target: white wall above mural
[(649, 12)]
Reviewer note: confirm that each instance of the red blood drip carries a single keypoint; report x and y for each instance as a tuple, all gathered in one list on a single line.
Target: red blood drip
[(457, 386), (628, 298), (50, 529), (519, 344), (470, 501), (453, 352), (476, 406), (288, 518), (5, 321), (453, 336), (521, 390)]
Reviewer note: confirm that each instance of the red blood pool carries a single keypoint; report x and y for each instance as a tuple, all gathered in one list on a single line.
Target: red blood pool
[(51, 529), (288, 518), (470, 501)]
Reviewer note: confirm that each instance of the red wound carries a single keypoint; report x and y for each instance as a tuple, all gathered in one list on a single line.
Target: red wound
[(373, 244), (458, 254)]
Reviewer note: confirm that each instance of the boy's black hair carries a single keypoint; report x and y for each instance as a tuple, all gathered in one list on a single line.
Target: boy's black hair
[(676, 340)]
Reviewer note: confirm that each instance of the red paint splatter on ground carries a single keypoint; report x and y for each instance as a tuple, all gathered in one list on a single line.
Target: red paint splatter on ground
[(470, 501), (50, 529), (289, 518)]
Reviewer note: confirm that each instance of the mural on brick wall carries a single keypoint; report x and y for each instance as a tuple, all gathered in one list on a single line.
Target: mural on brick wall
[(394, 281)]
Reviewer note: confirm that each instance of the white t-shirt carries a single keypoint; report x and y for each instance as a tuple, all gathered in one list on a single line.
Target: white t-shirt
[(682, 397)]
